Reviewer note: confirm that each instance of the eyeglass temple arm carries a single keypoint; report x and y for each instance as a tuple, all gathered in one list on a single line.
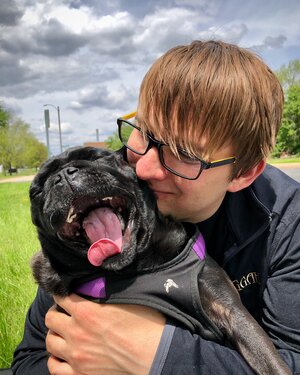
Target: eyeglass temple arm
[(220, 162), (128, 115)]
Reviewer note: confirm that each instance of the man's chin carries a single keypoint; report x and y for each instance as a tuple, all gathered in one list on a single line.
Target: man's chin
[(168, 210)]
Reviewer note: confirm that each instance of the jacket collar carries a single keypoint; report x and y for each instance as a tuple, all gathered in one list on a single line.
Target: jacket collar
[(249, 211)]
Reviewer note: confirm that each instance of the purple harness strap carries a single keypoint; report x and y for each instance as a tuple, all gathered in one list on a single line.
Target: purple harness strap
[(199, 247), (96, 288)]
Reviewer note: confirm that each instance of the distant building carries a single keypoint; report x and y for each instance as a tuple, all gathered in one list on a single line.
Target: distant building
[(95, 144)]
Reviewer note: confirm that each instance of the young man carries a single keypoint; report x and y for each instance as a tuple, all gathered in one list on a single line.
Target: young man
[(207, 118)]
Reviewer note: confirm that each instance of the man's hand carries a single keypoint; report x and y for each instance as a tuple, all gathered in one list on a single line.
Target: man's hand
[(100, 339)]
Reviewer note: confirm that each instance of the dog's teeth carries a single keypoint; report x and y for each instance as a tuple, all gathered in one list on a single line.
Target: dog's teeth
[(107, 198), (71, 216)]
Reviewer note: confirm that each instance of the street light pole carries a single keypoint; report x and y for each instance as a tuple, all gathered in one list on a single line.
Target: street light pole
[(59, 125), (47, 126)]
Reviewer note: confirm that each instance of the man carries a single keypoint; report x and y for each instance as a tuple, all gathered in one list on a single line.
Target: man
[(207, 118)]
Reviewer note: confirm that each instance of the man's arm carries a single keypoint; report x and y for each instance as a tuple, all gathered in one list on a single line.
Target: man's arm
[(132, 340), (103, 339), (281, 296), (30, 356)]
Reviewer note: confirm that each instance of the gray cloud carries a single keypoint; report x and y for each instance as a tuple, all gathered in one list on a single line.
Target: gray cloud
[(10, 13), (51, 39), (102, 97), (60, 77), (274, 42), (55, 40), (270, 42)]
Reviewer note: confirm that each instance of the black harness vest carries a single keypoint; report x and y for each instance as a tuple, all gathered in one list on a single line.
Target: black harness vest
[(171, 288)]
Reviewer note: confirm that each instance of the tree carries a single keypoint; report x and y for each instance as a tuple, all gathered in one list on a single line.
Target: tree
[(289, 75), (35, 154), (4, 117), (288, 139), (17, 146), (113, 142)]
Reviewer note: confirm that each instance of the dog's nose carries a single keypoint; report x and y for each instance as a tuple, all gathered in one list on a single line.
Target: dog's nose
[(65, 174)]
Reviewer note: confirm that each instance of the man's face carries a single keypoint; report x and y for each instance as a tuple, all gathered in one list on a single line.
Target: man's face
[(184, 200)]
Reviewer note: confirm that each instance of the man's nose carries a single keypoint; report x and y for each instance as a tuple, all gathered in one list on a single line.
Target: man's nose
[(149, 167)]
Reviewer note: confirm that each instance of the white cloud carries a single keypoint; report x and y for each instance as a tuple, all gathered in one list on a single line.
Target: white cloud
[(168, 27), (229, 33)]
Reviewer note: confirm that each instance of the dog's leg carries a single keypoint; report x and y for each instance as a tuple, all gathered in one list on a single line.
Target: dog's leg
[(222, 304)]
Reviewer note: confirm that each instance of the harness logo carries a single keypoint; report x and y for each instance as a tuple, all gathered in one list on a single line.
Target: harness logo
[(170, 283)]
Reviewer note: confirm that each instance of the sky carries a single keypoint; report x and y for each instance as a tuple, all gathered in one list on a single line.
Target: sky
[(88, 57)]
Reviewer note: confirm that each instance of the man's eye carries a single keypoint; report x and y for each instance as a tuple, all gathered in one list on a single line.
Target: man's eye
[(187, 157)]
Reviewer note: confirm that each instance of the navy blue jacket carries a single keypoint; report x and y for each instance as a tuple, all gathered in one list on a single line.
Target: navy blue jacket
[(261, 256)]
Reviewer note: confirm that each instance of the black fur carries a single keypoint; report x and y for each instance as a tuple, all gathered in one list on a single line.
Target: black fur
[(78, 179)]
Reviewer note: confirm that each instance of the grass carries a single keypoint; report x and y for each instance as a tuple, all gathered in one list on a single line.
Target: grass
[(294, 159), (18, 241)]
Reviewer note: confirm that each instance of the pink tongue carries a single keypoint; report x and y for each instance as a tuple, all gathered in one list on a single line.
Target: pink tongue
[(103, 228)]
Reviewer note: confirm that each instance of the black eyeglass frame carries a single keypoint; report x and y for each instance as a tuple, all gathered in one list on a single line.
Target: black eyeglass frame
[(158, 145)]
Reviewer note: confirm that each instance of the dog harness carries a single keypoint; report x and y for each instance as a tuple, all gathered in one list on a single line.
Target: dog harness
[(171, 288)]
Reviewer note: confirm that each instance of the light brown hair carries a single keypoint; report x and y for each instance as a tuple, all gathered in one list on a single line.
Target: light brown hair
[(215, 91)]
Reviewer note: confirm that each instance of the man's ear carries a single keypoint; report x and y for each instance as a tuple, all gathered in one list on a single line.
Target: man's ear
[(246, 179)]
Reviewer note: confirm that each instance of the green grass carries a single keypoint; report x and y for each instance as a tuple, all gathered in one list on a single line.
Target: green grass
[(284, 160), (18, 241)]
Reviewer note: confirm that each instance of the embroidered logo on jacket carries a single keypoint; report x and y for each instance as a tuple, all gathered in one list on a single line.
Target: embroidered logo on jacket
[(251, 278), (170, 283)]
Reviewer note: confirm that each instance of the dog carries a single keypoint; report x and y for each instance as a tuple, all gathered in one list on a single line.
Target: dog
[(97, 221)]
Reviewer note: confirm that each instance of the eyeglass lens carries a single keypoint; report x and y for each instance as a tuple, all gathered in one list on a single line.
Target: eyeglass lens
[(181, 164)]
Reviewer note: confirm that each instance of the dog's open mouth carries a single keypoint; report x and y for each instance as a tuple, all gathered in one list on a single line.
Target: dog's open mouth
[(102, 223)]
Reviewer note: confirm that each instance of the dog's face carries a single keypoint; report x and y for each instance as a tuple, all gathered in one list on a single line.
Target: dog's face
[(71, 187)]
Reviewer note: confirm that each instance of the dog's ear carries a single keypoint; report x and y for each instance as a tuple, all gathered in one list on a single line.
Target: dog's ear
[(122, 153)]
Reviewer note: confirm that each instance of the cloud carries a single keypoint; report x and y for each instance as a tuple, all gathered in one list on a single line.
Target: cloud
[(113, 36), (10, 13), (208, 7), (66, 128), (51, 39), (103, 97), (274, 42), (167, 27), (89, 56), (270, 42), (230, 33)]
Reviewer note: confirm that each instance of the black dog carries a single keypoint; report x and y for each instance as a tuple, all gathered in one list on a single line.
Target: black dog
[(100, 231)]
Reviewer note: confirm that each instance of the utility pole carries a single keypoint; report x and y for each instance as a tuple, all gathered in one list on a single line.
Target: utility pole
[(59, 125), (47, 126)]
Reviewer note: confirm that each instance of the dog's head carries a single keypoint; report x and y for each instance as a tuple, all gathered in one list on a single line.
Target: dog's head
[(69, 188)]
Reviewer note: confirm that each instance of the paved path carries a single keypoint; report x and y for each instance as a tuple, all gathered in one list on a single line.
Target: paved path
[(17, 179), (291, 169)]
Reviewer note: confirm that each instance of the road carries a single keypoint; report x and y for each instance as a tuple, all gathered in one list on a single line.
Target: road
[(292, 170)]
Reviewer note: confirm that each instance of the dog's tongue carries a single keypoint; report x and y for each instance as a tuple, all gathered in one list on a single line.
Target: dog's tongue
[(103, 228)]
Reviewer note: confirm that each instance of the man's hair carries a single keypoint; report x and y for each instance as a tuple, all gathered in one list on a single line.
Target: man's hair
[(217, 92)]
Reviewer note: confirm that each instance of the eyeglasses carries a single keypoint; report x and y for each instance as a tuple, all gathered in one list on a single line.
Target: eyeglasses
[(183, 165)]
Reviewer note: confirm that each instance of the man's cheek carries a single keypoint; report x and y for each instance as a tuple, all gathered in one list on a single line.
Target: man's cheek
[(132, 158)]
